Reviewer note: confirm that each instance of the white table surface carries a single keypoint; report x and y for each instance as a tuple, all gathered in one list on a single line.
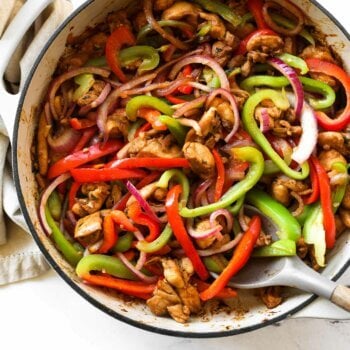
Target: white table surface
[(44, 313)]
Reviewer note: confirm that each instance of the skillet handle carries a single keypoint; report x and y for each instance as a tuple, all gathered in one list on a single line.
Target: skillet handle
[(341, 297), (8, 44)]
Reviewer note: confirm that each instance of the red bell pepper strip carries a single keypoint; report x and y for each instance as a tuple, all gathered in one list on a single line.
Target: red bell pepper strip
[(340, 122), (120, 36), (220, 168), (151, 116), (137, 289), (186, 89), (85, 156), (110, 235), (242, 48), (239, 258), (255, 7), (79, 124), (161, 163), (315, 194), (145, 127), (326, 202), (135, 213), (105, 174), (223, 294), (73, 193), (175, 100), (179, 230), (85, 138)]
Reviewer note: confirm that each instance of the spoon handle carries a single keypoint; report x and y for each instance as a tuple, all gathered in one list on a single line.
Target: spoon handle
[(341, 297)]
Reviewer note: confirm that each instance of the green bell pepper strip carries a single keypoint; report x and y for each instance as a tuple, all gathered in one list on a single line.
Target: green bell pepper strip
[(124, 243), (138, 102), (181, 178), (176, 129), (147, 29), (158, 243), (222, 10), (55, 205), (204, 29), (287, 225), (103, 263), (68, 249), (251, 126), (304, 215), (282, 247), (295, 62), (148, 55), (289, 24), (215, 263), (309, 84), (97, 62), (338, 194), (85, 82), (234, 209), (245, 154), (314, 233)]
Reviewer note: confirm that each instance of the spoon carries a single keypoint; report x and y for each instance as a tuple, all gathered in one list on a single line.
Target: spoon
[(287, 271)]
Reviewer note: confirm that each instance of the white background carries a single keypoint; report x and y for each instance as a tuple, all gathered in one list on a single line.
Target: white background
[(44, 313)]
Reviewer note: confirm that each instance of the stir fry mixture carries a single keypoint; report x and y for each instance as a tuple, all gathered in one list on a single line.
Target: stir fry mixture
[(163, 124)]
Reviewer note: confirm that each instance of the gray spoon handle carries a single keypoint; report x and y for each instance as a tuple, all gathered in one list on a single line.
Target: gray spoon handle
[(341, 297)]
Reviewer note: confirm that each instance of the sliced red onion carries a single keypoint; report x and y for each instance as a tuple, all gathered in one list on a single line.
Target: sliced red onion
[(143, 203), (205, 60), (71, 217), (137, 273), (238, 143), (224, 248), (264, 121), (99, 100), (202, 187), (45, 196), (141, 261), (213, 231), (227, 94), (69, 75), (48, 116), (200, 86), (308, 140), (147, 88), (224, 212), (188, 106), (292, 76), (173, 86), (65, 141), (192, 124)]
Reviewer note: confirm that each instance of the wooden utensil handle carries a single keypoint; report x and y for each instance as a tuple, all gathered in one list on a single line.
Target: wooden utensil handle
[(341, 297)]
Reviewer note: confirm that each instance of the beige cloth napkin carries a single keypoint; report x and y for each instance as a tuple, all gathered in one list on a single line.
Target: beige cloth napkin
[(20, 258)]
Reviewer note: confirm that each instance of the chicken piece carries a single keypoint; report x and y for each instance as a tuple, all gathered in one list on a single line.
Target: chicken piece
[(273, 112), (209, 122), (264, 239), (179, 313), (88, 229), (225, 112), (281, 193), (186, 268), (204, 243), (217, 26), (172, 273), (271, 296), (340, 227), (289, 45), (114, 197), (118, 18), (96, 195), (321, 53), (327, 158), (161, 5), (163, 296), (282, 128), (269, 44), (160, 194), (221, 52), (346, 199), (95, 45), (190, 298), (241, 96), (302, 248), (335, 140), (92, 94), (42, 148), (139, 21), (345, 217), (73, 61), (182, 10), (118, 123), (160, 147), (201, 159)]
